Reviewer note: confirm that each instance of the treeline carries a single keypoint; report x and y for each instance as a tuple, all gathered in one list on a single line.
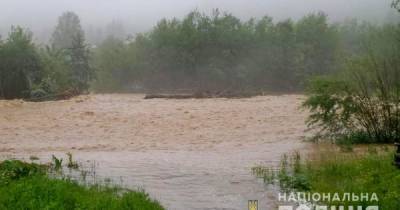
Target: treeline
[(35, 72), (222, 52), (217, 52)]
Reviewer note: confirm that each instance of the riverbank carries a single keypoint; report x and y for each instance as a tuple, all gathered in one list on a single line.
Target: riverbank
[(367, 171), (28, 186)]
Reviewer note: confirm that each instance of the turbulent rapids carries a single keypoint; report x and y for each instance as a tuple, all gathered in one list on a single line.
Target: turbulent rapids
[(188, 154)]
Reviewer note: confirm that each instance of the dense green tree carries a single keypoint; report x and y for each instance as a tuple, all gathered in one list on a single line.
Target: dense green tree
[(82, 73), (361, 103), (67, 31), (222, 52), (282, 66), (318, 42), (114, 67), (69, 39), (56, 74), (20, 65)]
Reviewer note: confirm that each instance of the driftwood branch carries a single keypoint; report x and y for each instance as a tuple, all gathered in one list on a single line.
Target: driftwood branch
[(55, 97), (199, 95)]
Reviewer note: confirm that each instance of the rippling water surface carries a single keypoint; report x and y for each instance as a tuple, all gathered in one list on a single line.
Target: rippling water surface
[(188, 154)]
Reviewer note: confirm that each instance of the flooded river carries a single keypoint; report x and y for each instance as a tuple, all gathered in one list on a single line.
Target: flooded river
[(188, 154)]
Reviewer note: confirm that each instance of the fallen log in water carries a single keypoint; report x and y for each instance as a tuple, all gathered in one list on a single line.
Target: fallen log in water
[(55, 97), (222, 94), (173, 96)]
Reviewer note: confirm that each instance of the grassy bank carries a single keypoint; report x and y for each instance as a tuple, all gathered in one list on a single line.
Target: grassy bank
[(332, 172), (28, 186)]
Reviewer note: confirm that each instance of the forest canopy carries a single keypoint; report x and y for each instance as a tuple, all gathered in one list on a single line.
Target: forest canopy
[(200, 52), (31, 71), (221, 52)]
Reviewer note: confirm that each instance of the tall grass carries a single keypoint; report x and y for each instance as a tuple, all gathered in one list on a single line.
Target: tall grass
[(337, 172), (27, 186)]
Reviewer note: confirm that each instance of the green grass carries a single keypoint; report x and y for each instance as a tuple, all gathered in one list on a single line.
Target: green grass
[(338, 172), (27, 186)]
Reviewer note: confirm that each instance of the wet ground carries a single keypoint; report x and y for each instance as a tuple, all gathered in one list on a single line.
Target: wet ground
[(188, 154)]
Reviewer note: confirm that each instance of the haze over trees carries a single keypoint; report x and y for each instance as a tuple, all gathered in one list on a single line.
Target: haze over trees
[(361, 103), (200, 52), (222, 52), (140, 16), (29, 71), (20, 64)]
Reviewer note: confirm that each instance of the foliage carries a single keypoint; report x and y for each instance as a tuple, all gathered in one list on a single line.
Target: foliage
[(26, 186), (81, 71), (364, 100), (220, 51), (27, 71), (71, 163), (114, 63), (20, 64), (13, 170), (396, 4), (56, 72), (67, 31), (69, 40), (336, 172), (217, 52), (57, 163), (288, 175)]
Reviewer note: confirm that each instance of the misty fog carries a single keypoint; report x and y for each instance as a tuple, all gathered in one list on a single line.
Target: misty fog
[(199, 104), (135, 16)]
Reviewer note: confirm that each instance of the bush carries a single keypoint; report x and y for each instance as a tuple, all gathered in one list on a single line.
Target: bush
[(361, 104), (14, 170)]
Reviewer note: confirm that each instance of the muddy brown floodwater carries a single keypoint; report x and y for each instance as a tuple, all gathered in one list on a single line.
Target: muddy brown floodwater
[(188, 154)]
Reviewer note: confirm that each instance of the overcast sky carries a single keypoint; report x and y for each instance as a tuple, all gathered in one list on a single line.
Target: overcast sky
[(140, 15)]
